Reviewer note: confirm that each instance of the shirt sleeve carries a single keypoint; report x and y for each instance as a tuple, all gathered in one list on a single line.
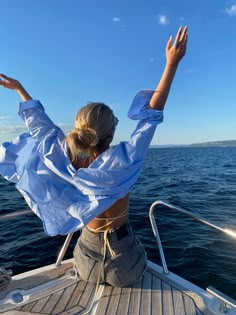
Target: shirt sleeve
[(148, 120), (43, 137), (39, 125), (140, 110)]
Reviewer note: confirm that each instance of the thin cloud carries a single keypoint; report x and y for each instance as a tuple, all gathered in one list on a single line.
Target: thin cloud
[(231, 11), (163, 20), (5, 117), (21, 128), (116, 19), (10, 132), (16, 129)]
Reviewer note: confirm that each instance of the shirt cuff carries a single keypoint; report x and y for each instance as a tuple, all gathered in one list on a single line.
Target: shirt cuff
[(28, 105), (140, 109)]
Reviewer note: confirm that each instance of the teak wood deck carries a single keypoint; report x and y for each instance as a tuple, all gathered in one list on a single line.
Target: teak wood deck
[(60, 291)]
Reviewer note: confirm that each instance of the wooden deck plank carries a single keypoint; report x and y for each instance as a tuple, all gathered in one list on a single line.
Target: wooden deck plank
[(34, 280), (66, 295), (178, 301), (104, 301), (135, 299), (114, 301), (167, 299), (198, 300), (27, 307), (14, 312), (88, 293), (78, 291), (39, 305), (54, 298), (76, 310), (146, 296), (83, 303), (190, 307), (123, 306), (156, 296)]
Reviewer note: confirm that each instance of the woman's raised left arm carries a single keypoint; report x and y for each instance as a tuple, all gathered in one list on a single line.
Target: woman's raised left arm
[(40, 126), (13, 84)]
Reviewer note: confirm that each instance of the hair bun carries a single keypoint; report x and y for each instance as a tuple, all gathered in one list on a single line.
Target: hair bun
[(94, 126), (87, 138)]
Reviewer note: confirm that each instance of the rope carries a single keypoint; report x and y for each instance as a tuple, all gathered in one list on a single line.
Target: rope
[(106, 245), (113, 219), (5, 278), (112, 252)]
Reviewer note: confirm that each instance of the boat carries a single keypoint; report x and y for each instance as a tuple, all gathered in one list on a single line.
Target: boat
[(57, 289)]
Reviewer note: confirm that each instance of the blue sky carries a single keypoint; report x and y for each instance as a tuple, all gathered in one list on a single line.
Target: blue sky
[(67, 53)]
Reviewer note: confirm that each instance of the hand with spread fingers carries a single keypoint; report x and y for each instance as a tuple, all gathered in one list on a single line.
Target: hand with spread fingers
[(9, 83), (13, 84), (176, 51)]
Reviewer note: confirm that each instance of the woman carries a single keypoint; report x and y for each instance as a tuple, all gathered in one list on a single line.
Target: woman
[(78, 181)]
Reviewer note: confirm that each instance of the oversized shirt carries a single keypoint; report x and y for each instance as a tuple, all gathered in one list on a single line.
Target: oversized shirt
[(64, 198)]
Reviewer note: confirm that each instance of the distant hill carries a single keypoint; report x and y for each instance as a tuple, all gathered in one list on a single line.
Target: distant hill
[(226, 143)]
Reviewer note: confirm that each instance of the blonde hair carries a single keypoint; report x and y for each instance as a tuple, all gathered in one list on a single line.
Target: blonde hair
[(94, 123)]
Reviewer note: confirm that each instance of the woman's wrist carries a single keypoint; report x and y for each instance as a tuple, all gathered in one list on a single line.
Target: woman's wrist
[(172, 65), (23, 93)]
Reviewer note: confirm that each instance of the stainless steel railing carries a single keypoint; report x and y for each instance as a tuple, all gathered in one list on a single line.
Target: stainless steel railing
[(65, 245), (14, 215), (188, 213), (153, 224), (64, 249), (224, 300)]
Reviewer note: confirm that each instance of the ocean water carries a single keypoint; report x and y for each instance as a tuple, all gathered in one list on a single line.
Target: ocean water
[(201, 180)]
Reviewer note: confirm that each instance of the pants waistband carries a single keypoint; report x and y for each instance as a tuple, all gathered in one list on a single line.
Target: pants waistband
[(117, 234)]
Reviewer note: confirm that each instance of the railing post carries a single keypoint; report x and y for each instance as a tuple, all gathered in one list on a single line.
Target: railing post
[(63, 249), (158, 239)]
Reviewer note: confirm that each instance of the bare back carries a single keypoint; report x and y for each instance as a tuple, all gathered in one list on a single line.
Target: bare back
[(114, 216)]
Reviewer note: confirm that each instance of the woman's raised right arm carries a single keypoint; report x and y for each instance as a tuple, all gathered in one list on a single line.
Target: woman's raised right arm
[(174, 53)]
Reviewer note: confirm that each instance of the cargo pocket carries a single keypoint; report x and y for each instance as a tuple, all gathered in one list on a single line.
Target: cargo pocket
[(87, 267), (128, 267)]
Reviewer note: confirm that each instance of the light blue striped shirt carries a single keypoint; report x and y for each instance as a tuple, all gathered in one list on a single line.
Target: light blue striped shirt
[(66, 199)]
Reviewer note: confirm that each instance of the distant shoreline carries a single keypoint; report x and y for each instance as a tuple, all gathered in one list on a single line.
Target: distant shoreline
[(223, 144)]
